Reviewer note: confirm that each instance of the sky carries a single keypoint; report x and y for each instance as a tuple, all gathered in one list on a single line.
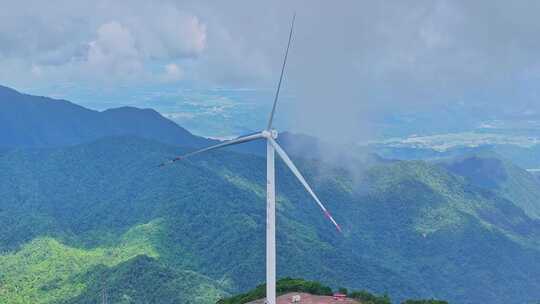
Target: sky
[(213, 65)]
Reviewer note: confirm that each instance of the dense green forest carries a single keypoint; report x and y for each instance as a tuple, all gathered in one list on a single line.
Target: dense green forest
[(81, 220)]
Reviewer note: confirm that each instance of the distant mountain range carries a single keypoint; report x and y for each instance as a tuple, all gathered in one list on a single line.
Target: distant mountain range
[(32, 121), (80, 220), (28, 121)]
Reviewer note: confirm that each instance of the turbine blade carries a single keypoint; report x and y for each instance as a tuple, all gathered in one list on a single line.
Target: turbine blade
[(232, 142), (281, 76), (298, 175)]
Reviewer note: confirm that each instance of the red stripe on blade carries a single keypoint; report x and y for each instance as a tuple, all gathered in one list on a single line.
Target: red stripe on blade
[(327, 214)]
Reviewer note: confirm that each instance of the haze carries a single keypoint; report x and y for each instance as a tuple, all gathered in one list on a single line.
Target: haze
[(351, 63)]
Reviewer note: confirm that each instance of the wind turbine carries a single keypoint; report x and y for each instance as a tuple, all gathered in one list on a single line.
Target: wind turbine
[(269, 134)]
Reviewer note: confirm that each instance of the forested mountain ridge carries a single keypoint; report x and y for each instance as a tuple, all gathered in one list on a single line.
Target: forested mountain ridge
[(35, 121), (28, 121), (81, 217), (490, 171)]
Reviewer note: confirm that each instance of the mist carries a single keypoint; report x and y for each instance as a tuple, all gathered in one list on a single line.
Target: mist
[(352, 63)]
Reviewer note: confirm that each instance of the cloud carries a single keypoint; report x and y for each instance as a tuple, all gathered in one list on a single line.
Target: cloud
[(172, 72), (102, 42), (353, 62), (172, 34), (36, 71), (113, 51), (350, 60)]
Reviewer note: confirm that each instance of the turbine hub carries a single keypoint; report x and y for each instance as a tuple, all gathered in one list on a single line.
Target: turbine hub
[(270, 134)]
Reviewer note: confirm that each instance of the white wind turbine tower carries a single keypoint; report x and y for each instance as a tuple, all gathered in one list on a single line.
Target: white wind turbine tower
[(272, 146)]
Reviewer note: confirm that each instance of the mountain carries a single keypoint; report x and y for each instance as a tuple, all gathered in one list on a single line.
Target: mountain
[(490, 171), (143, 279), (33, 121), (101, 215), (310, 147), (536, 174), (525, 157), (41, 122)]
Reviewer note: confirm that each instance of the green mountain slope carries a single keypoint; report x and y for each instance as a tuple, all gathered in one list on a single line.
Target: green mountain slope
[(509, 181), (145, 280), (47, 271), (411, 229)]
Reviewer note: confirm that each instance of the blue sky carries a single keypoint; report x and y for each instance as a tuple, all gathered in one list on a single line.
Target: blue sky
[(212, 66)]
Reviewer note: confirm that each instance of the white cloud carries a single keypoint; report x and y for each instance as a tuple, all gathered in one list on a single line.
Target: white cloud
[(114, 51), (95, 42), (172, 72), (174, 34), (36, 71)]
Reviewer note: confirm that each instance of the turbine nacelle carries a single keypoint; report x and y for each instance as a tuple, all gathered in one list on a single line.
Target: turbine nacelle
[(273, 134)]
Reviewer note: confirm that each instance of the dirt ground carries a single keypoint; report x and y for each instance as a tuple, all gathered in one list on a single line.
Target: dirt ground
[(306, 298)]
